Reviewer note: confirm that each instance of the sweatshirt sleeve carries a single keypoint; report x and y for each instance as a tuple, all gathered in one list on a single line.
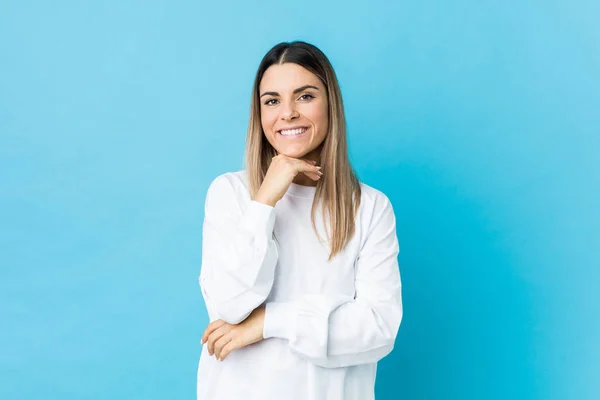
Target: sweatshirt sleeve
[(238, 253), (339, 330)]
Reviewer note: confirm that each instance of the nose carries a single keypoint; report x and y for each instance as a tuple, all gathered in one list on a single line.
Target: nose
[(288, 111)]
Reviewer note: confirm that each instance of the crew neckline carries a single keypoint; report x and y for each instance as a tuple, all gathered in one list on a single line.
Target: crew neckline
[(302, 190)]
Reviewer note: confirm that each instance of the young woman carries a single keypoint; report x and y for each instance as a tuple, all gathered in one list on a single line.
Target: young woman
[(299, 270)]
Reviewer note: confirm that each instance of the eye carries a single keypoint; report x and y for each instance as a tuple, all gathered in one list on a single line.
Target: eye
[(268, 102), (310, 96)]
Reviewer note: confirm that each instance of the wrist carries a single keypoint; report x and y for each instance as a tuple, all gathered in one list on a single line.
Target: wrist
[(265, 200), (280, 320)]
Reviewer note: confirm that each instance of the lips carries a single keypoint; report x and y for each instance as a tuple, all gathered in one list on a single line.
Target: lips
[(292, 129)]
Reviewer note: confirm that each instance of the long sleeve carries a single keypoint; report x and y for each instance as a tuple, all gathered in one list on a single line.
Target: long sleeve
[(338, 330), (238, 253)]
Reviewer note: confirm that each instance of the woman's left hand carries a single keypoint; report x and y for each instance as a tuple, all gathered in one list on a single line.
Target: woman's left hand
[(222, 338)]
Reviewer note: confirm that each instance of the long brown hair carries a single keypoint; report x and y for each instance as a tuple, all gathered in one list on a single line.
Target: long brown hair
[(338, 191)]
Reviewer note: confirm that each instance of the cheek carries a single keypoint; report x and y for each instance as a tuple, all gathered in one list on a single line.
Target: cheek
[(320, 117), (267, 120)]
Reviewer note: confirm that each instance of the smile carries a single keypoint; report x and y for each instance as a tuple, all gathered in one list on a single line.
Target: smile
[(293, 132)]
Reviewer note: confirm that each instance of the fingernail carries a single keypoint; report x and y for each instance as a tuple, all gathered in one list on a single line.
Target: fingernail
[(318, 167)]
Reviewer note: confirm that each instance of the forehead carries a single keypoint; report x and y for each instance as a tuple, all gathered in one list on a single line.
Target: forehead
[(287, 77)]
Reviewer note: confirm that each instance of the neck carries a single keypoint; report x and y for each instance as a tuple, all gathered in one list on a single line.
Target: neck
[(304, 180), (301, 178)]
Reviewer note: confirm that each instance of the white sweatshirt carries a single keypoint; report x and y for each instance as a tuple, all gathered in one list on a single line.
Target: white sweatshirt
[(327, 323)]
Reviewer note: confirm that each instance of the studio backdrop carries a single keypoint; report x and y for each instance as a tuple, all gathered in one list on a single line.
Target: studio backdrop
[(479, 119)]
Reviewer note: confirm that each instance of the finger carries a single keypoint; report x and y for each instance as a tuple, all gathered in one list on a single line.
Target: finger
[(216, 335), (210, 328), (228, 348), (313, 175), (302, 161), (212, 339), (306, 167), (219, 344)]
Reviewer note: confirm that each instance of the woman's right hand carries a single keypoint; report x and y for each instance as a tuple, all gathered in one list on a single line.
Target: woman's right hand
[(281, 173)]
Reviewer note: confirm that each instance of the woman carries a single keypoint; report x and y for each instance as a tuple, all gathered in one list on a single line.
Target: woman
[(297, 311)]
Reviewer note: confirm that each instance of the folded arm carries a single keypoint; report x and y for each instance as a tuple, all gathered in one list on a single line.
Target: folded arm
[(238, 253), (336, 330)]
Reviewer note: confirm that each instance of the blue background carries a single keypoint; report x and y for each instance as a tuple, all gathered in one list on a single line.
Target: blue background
[(480, 120)]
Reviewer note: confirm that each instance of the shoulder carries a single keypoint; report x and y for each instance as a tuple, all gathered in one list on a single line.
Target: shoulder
[(377, 220), (228, 181), (228, 187), (373, 198), (376, 211)]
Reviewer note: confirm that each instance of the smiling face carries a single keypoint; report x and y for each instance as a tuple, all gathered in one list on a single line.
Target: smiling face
[(294, 110)]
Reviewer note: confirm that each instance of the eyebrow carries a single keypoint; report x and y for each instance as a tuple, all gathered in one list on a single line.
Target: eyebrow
[(300, 89)]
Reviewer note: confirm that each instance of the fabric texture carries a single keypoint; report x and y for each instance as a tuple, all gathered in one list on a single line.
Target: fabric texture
[(327, 322)]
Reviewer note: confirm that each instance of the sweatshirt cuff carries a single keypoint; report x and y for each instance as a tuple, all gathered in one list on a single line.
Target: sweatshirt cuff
[(280, 320), (259, 216)]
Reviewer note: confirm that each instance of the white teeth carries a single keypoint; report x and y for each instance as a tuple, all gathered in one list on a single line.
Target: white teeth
[(292, 132)]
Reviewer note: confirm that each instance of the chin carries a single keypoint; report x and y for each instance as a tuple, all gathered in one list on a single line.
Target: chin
[(292, 153)]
